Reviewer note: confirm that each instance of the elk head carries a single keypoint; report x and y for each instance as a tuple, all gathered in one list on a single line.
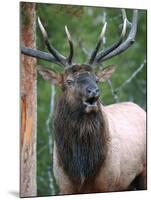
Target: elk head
[(80, 81), (79, 84)]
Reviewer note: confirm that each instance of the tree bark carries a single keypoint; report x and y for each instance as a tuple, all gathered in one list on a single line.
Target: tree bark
[(28, 185)]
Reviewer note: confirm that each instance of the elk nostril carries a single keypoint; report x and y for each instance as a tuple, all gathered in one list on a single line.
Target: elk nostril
[(93, 91), (89, 90)]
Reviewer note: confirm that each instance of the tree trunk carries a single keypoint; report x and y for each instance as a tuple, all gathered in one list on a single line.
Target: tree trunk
[(28, 186)]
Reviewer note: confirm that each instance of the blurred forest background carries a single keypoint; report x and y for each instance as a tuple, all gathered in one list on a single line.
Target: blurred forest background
[(128, 82)]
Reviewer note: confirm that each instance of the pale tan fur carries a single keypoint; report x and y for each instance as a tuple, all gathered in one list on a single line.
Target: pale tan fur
[(126, 157)]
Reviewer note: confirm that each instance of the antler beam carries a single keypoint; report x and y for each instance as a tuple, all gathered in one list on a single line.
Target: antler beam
[(38, 54), (110, 52)]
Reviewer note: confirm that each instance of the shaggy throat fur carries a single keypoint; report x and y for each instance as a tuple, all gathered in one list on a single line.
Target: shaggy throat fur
[(81, 142)]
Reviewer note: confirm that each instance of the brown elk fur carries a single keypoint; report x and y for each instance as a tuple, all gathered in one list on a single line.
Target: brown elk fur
[(116, 150), (81, 141)]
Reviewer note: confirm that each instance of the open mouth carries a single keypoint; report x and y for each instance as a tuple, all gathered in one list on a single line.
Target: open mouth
[(91, 104), (90, 101)]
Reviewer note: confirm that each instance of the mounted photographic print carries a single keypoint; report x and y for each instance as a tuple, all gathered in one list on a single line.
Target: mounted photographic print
[(83, 99)]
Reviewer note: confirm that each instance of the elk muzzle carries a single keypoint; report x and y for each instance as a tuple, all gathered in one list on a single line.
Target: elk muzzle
[(90, 101)]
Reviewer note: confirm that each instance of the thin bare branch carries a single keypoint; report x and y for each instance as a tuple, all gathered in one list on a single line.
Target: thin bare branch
[(131, 77), (113, 92), (115, 96), (50, 140), (84, 50), (43, 148)]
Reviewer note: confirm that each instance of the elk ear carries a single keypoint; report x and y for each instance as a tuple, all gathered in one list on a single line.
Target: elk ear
[(106, 73), (50, 76)]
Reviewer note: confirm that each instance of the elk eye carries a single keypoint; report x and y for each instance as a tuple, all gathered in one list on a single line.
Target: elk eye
[(70, 82)]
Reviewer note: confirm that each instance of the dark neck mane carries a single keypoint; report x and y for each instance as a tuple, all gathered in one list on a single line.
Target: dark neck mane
[(81, 141)]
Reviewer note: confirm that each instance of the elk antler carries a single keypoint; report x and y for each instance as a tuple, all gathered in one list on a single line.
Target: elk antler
[(96, 57), (120, 45), (94, 53), (50, 48), (55, 56), (60, 58), (38, 54), (70, 45)]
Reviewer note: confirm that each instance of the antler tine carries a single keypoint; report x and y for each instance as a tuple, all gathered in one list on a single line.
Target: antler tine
[(70, 57), (127, 43), (115, 45), (60, 58), (94, 53), (124, 15)]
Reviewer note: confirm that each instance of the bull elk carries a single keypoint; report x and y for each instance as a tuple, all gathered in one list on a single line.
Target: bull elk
[(97, 148)]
